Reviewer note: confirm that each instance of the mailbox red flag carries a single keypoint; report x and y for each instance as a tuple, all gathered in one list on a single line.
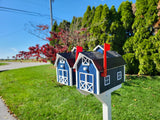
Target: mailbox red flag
[(79, 49), (106, 48)]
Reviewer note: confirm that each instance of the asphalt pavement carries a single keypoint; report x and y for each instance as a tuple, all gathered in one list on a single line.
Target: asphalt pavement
[(4, 111), (16, 65)]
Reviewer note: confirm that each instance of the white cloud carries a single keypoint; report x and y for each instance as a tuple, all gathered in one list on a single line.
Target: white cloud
[(14, 49)]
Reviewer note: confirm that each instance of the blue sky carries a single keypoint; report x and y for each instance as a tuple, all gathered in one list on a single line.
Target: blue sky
[(15, 26)]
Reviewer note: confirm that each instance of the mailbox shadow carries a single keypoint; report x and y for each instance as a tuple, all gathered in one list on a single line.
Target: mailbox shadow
[(127, 84), (132, 80), (59, 85), (116, 93)]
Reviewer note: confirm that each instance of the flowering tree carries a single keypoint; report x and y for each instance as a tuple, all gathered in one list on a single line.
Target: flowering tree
[(61, 41)]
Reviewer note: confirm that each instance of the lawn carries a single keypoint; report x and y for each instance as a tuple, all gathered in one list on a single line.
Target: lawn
[(3, 64), (33, 94)]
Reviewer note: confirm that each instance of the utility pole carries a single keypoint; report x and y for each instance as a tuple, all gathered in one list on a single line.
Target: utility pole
[(51, 16)]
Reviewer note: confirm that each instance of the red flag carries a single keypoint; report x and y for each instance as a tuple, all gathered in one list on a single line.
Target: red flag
[(106, 48)]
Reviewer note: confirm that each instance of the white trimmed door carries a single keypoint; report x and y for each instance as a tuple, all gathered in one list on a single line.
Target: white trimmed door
[(63, 76), (86, 81)]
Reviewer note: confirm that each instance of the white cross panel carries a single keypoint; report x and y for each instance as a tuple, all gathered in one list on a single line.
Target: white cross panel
[(62, 77), (84, 84), (85, 61)]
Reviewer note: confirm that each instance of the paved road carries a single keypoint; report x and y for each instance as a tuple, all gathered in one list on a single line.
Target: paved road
[(15, 65), (4, 111)]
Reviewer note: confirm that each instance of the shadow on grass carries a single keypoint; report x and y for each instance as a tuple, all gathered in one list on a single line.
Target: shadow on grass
[(134, 80), (127, 84), (116, 93), (59, 85)]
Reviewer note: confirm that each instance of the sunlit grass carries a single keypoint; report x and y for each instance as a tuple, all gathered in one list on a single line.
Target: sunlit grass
[(3, 64), (33, 94)]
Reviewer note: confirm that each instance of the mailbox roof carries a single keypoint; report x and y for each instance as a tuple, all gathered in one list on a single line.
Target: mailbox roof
[(113, 59), (70, 57)]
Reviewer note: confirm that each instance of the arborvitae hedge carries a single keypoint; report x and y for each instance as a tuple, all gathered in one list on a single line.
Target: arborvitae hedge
[(130, 35)]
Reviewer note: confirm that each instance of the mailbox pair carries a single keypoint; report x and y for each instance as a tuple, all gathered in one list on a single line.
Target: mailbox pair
[(92, 72)]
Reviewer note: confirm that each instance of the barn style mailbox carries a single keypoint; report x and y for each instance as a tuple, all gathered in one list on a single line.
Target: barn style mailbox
[(99, 72), (64, 66)]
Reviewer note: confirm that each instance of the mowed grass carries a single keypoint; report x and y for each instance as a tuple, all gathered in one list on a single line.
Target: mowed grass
[(33, 94), (3, 64)]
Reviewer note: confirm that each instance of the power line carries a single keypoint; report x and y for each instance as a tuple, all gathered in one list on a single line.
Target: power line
[(16, 12), (22, 11), (6, 9)]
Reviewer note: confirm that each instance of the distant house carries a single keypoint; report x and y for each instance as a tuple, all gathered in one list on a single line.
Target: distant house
[(97, 72)]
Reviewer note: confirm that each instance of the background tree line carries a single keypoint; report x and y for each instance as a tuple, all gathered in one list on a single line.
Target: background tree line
[(131, 30)]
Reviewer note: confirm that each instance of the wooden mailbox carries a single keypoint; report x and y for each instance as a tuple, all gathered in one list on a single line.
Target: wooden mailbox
[(64, 66), (90, 71)]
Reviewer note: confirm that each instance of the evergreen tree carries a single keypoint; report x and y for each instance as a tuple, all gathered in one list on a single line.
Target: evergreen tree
[(117, 37), (127, 16), (113, 15), (142, 43), (95, 27), (105, 18), (76, 23), (64, 25), (132, 63), (104, 24), (86, 17), (91, 16), (55, 27)]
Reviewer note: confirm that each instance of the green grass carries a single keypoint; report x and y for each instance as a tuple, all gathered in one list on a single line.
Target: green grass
[(33, 94), (3, 64)]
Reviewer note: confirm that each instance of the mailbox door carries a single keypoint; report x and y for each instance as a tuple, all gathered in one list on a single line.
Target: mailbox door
[(63, 76), (86, 82)]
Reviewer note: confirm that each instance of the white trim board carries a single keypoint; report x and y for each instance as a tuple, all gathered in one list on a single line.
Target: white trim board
[(98, 46)]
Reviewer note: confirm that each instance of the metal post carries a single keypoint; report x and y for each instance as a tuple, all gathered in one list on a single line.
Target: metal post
[(105, 99), (51, 16), (107, 115)]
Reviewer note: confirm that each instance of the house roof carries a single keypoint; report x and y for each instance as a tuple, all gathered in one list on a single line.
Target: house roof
[(70, 57), (113, 59)]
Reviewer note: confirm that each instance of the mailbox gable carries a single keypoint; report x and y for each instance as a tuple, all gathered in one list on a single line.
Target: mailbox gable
[(86, 73), (64, 68), (63, 73)]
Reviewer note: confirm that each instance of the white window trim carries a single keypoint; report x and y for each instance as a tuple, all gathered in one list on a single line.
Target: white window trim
[(119, 75), (62, 60), (108, 76), (85, 61)]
